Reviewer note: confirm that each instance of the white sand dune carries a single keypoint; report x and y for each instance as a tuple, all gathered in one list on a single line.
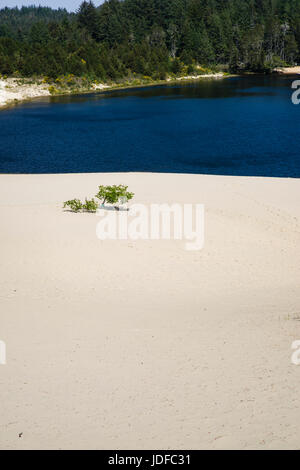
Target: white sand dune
[(123, 344)]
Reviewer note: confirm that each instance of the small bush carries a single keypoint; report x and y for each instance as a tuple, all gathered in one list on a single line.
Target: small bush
[(53, 90), (74, 204), (114, 194), (111, 194), (90, 205)]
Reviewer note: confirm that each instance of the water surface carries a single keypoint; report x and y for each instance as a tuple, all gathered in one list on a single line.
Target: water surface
[(237, 126)]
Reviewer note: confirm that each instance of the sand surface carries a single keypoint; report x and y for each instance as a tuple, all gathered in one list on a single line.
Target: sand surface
[(197, 77), (288, 70), (141, 344), (17, 89), (12, 89)]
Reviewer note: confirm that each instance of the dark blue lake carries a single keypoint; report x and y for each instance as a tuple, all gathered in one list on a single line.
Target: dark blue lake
[(235, 126)]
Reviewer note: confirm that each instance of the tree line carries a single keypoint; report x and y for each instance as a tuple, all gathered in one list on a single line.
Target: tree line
[(152, 38)]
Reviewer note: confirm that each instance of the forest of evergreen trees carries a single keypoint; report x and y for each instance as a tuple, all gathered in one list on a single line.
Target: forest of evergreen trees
[(149, 37)]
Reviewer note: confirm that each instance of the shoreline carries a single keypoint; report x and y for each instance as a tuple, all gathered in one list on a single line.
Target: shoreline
[(29, 92), (288, 70), (208, 175)]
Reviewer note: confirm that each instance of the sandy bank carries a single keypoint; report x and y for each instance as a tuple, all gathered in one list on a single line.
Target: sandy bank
[(197, 77), (13, 90), (288, 70), (123, 344)]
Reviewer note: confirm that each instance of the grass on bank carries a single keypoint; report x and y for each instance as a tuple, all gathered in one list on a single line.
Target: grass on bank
[(71, 84)]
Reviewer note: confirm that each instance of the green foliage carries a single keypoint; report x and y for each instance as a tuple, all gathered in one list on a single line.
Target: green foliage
[(111, 194), (74, 204), (53, 90), (114, 194), (176, 67), (90, 205), (153, 38), (87, 17), (234, 63)]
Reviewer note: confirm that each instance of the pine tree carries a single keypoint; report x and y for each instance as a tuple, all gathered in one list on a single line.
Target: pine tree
[(87, 17)]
